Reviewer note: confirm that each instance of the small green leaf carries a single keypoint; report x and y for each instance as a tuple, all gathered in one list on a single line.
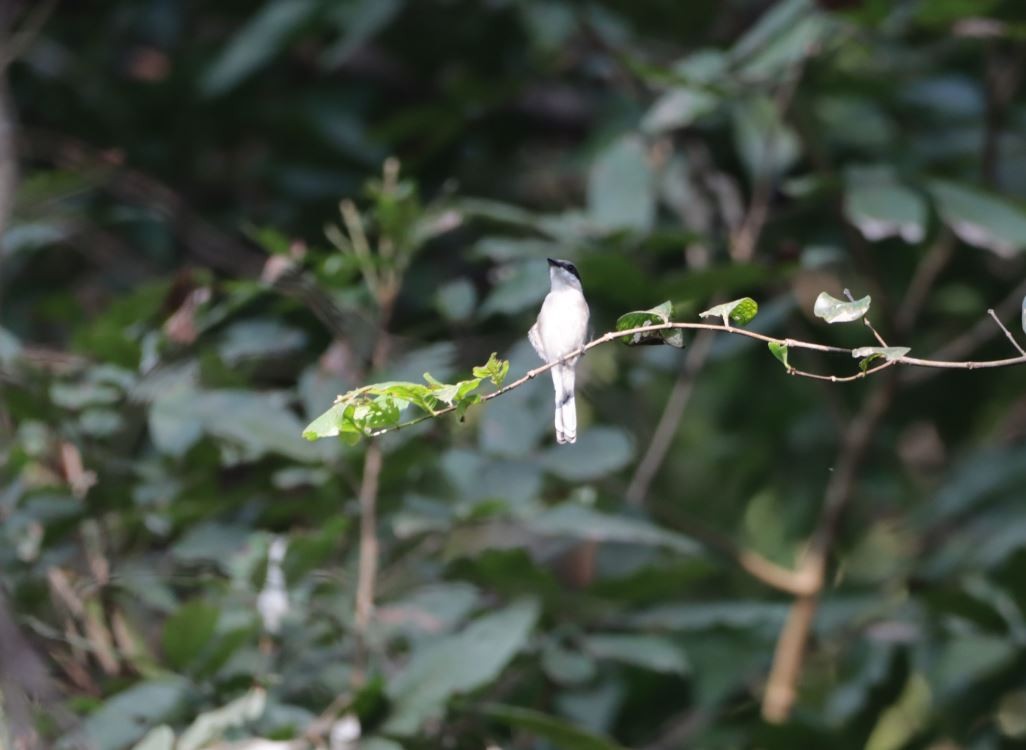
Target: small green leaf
[(188, 631), (740, 311), (655, 316), (833, 310), (870, 353), (494, 369), (779, 351)]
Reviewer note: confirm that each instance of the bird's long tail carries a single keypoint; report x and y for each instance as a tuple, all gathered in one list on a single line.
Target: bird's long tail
[(566, 407)]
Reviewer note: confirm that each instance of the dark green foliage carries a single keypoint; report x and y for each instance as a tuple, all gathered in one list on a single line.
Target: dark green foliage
[(237, 219)]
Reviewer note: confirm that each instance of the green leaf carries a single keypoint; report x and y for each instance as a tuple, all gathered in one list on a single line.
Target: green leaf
[(740, 311), (655, 316), (187, 632), (677, 108), (621, 189), (869, 353), (779, 350), (767, 146), (256, 43), (578, 522), (653, 652), (980, 218), (494, 369), (876, 203), (331, 423), (565, 666), (560, 733), (456, 300), (598, 452), (457, 663), (833, 310), (125, 717), (211, 725), (358, 23)]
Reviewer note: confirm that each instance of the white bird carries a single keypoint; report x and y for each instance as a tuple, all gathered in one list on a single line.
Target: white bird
[(562, 328)]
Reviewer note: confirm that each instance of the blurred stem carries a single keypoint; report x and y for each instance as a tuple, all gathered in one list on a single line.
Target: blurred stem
[(8, 185), (922, 282), (385, 288), (781, 687), (673, 412), (1002, 77), (746, 239), (368, 557)]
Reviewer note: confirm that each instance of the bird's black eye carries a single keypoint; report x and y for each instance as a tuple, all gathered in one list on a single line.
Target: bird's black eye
[(572, 269)]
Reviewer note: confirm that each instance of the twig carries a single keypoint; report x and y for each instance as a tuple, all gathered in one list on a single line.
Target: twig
[(747, 236), (649, 465), (927, 271), (1008, 333), (368, 555), (790, 343), (976, 336)]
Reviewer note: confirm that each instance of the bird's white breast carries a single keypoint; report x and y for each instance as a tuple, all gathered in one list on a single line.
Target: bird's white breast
[(563, 322)]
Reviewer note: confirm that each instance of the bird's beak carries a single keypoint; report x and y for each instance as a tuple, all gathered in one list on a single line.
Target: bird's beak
[(552, 262)]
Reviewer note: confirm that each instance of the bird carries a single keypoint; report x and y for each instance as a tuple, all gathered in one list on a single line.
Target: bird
[(562, 328)]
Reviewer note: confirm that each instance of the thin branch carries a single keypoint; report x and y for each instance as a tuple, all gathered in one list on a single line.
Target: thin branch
[(979, 334), (368, 556), (790, 343), (925, 276), (637, 490), (1008, 333)]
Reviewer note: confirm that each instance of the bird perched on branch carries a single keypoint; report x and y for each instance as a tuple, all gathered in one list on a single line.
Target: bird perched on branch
[(562, 328)]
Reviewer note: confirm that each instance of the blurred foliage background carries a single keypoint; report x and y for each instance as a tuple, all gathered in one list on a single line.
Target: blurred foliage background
[(225, 214)]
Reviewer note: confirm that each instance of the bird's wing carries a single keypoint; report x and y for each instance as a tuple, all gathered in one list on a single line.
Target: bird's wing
[(534, 336)]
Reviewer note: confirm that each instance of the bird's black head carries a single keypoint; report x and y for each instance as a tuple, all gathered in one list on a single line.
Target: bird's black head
[(566, 266)]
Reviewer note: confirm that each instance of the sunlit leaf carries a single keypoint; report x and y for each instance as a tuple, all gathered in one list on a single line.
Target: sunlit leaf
[(740, 311), (881, 207), (833, 310), (494, 369), (980, 218)]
